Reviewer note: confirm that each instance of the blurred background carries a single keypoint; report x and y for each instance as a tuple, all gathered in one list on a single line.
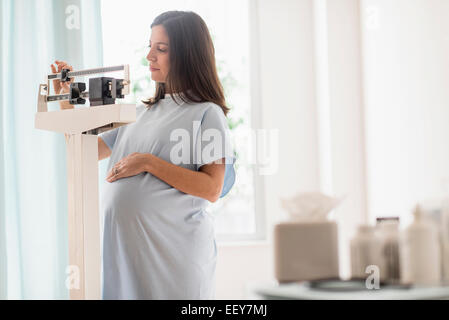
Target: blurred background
[(346, 97)]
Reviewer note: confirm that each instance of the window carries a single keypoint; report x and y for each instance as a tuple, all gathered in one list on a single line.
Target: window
[(126, 31)]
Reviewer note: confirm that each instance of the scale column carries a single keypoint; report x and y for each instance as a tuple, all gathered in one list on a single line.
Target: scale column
[(84, 280)]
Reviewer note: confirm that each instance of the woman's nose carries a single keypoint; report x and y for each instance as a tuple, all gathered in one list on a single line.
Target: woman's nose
[(150, 57)]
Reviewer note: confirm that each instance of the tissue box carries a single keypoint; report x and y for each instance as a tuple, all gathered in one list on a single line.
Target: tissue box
[(306, 251)]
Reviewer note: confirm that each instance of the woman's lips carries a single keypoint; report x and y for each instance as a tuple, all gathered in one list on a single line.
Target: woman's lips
[(153, 69)]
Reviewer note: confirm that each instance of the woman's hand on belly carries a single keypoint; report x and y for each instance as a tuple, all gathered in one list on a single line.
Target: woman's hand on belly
[(129, 166), (206, 183)]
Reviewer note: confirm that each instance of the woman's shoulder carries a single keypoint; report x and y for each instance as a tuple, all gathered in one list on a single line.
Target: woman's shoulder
[(140, 106), (203, 108)]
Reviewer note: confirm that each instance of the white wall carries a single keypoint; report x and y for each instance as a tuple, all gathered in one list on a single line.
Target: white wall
[(406, 77), (240, 268)]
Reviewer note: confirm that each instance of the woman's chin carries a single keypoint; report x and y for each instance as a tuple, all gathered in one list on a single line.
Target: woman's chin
[(156, 78)]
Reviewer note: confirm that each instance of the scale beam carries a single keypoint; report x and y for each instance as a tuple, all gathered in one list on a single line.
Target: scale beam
[(102, 91)]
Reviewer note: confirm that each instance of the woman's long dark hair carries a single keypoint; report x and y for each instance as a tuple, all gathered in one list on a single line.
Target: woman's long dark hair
[(193, 73)]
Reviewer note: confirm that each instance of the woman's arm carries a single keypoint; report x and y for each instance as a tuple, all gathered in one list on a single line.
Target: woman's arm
[(206, 183), (103, 150)]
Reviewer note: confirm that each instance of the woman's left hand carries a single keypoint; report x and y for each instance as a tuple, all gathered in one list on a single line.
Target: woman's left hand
[(131, 165)]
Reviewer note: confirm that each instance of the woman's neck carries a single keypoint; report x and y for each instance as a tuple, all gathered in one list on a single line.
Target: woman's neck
[(167, 90)]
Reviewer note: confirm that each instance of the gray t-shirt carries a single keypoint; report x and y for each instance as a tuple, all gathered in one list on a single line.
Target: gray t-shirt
[(159, 242)]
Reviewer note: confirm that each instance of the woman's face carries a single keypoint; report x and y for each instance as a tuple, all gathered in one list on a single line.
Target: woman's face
[(159, 54)]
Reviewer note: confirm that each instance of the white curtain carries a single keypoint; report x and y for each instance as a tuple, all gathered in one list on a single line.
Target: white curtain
[(33, 191)]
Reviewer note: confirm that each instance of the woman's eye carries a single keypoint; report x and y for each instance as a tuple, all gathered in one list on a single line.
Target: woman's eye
[(159, 49)]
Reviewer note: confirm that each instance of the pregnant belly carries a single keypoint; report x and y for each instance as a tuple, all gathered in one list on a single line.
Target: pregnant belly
[(143, 212), (144, 194)]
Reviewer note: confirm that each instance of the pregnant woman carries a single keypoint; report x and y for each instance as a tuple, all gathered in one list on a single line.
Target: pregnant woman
[(165, 169)]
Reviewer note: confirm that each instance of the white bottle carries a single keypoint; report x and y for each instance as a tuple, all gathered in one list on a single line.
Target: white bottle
[(389, 233), (366, 250), (420, 252)]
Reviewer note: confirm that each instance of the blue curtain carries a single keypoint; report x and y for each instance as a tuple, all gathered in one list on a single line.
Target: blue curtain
[(33, 190)]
